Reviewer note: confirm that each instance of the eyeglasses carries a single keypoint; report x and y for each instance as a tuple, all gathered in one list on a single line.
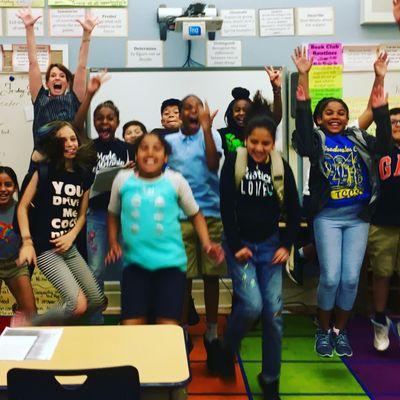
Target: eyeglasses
[(395, 122)]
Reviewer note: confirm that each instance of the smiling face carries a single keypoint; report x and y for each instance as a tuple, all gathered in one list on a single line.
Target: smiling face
[(334, 118), (57, 82), (70, 142), (150, 156), (259, 144), (395, 121), (132, 133), (106, 123), (7, 190), (170, 118), (190, 115), (239, 112)]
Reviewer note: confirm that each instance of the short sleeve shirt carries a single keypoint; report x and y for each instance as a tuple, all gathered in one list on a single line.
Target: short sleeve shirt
[(189, 158), (9, 240), (149, 211)]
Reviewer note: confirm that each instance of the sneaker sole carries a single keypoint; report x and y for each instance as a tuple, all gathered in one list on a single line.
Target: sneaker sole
[(343, 355)]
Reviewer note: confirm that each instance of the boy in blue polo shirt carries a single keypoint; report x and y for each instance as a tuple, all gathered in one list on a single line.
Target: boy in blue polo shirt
[(196, 152)]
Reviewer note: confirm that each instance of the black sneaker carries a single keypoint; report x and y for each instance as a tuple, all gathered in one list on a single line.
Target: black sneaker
[(226, 364), (270, 390), (295, 271), (213, 350)]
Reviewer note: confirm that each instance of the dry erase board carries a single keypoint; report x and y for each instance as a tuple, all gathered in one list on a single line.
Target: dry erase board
[(139, 93), (16, 140)]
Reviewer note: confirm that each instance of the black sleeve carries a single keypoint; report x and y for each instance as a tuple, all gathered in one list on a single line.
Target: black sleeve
[(131, 151), (303, 138), (384, 141), (221, 132), (228, 204), (292, 208)]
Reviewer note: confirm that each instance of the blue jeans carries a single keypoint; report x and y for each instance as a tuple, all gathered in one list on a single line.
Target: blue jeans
[(97, 248), (341, 239), (257, 286)]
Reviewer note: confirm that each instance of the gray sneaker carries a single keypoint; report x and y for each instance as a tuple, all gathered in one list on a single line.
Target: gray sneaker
[(381, 334)]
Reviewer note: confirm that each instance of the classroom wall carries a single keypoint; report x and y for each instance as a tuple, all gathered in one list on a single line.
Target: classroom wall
[(111, 52)]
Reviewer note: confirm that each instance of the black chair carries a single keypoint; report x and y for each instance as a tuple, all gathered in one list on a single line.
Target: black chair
[(116, 383)]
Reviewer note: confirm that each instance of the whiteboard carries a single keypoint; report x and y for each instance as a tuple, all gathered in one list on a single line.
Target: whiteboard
[(139, 93), (16, 140)]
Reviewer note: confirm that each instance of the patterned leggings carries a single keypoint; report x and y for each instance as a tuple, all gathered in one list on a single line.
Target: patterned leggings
[(68, 273)]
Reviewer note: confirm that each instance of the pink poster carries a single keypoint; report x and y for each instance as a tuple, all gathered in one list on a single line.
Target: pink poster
[(326, 53)]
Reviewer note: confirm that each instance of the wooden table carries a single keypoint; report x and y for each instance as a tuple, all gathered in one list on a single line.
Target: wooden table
[(157, 351)]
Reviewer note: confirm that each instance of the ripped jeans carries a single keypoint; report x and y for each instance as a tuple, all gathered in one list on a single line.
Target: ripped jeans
[(257, 287)]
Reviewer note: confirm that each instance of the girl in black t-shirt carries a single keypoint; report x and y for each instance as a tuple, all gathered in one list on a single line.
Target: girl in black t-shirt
[(59, 191)]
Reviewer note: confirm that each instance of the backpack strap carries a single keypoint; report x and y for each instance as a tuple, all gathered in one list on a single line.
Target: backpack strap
[(278, 174), (240, 164)]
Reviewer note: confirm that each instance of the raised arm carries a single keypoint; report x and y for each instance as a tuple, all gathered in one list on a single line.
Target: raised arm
[(275, 77), (35, 76), (206, 118), (92, 88), (380, 68), (379, 101), (396, 11), (79, 87), (303, 65)]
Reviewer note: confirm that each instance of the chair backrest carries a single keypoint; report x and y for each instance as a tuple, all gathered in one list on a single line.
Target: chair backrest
[(116, 383)]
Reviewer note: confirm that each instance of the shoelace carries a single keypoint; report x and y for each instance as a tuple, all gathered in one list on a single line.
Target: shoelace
[(341, 339), (323, 339)]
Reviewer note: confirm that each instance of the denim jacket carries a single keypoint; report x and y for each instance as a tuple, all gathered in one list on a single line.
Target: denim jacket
[(310, 142)]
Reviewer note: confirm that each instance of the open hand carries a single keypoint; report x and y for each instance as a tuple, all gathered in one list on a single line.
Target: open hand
[(25, 15), (381, 64), (97, 80), (206, 117), (89, 23), (301, 61)]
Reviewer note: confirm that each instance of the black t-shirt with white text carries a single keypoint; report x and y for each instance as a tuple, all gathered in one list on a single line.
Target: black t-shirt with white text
[(114, 153), (58, 205)]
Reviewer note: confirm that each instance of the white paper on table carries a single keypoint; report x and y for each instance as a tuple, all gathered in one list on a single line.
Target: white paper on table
[(16, 347), (46, 341)]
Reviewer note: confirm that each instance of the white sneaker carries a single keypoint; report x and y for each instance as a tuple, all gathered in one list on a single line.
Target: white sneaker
[(381, 335)]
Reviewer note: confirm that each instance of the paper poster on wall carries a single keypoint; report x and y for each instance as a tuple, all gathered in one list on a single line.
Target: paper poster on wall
[(1, 22), (15, 26), (359, 57), (1, 57), (45, 295), (113, 21), (20, 61), (22, 3), (224, 53), (63, 22), (326, 53), (88, 3), (393, 50), (238, 22), (315, 21), (145, 53), (277, 22)]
